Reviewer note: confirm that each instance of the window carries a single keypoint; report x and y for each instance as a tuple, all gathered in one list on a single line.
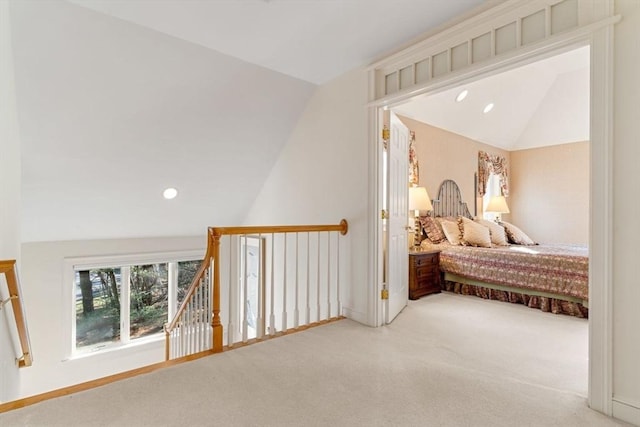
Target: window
[(97, 306), (493, 189), (119, 303)]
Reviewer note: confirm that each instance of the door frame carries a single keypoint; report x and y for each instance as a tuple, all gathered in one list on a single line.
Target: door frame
[(599, 37)]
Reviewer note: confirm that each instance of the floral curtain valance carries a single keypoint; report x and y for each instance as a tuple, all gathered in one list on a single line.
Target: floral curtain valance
[(487, 165), (414, 169)]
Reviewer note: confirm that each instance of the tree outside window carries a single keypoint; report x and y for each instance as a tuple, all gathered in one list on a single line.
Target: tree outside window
[(108, 312)]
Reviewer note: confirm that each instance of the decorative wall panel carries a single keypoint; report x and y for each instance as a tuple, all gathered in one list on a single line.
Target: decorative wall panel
[(521, 24)]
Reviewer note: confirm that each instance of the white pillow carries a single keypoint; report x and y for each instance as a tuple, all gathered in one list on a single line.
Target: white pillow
[(498, 234), (451, 231), (474, 234), (517, 236)]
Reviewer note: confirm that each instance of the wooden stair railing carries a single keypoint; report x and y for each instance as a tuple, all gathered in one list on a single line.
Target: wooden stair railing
[(9, 269), (197, 325)]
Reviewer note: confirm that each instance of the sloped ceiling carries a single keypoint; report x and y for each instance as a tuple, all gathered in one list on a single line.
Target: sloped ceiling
[(540, 104), (118, 100), (112, 113), (313, 40)]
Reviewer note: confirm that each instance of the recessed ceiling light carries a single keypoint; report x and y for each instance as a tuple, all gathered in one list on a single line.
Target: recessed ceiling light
[(488, 108), (462, 95), (170, 193)]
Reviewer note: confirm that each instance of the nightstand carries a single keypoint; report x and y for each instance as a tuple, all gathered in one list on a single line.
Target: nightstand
[(424, 273)]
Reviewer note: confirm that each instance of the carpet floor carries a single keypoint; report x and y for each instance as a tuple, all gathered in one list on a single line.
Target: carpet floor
[(447, 360)]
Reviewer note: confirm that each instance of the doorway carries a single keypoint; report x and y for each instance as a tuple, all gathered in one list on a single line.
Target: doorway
[(601, 177), (560, 77)]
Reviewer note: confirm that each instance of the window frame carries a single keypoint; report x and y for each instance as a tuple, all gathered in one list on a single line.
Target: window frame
[(124, 261)]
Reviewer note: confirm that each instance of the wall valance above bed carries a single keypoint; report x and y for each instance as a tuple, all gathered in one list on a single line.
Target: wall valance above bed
[(487, 165)]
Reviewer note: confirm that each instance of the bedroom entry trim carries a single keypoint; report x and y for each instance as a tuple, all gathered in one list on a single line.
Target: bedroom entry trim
[(512, 34)]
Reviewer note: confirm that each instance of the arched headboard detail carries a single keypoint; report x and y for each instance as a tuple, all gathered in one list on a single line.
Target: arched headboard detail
[(449, 201)]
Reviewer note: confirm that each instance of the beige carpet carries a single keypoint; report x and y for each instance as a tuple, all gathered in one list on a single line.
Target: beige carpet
[(447, 360)]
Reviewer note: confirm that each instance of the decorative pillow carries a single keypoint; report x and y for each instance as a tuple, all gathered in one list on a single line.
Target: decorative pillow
[(474, 234), (498, 234), (440, 219), (433, 229), (451, 231), (515, 235)]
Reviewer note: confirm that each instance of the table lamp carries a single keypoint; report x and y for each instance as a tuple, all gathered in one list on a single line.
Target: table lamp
[(418, 201)]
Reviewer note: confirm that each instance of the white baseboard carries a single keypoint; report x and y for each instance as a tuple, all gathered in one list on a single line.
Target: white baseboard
[(626, 411), (358, 316)]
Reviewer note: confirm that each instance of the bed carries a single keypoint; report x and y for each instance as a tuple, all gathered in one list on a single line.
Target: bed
[(553, 278)]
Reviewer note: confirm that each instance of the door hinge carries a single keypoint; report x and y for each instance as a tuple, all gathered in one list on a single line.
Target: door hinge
[(385, 133), (384, 294), (384, 214)]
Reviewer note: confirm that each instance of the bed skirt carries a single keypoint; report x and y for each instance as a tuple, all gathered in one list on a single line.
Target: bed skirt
[(550, 305)]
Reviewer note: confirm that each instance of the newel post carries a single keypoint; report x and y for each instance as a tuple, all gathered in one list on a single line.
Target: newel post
[(216, 323)]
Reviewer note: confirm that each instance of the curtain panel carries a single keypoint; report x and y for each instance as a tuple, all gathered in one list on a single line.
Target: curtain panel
[(414, 168), (487, 165)]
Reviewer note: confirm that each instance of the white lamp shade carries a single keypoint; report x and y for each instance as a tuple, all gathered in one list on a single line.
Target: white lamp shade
[(419, 199), (497, 204)]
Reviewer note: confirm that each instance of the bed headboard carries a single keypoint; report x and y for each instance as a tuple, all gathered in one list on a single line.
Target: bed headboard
[(449, 201)]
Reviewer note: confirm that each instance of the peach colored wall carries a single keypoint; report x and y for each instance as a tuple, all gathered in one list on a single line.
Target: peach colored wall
[(550, 192), (557, 174), (446, 155)]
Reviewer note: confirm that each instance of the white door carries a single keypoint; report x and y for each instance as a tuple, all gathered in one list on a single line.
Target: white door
[(397, 245)]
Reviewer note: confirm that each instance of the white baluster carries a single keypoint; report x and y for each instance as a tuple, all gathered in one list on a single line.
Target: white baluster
[(245, 288), (261, 296), (308, 316), (272, 316), (198, 315), (203, 324), (231, 326), (284, 286), (338, 275), (296, 311), (189, 328), (328, 275), (183, 335), (318, 282)]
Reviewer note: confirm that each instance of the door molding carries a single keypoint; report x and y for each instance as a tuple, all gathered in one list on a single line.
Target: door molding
[(459, 54)]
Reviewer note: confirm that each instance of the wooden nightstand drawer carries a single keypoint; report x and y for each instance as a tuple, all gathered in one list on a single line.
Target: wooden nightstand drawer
[(424, 273), (426, 260)]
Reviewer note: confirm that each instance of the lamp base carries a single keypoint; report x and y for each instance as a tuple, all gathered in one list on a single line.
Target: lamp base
[(417, 233)]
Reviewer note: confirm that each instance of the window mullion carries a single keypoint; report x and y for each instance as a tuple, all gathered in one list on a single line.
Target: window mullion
[(125, 304)]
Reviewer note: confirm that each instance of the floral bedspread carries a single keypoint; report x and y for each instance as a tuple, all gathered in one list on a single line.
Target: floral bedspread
[(557, 269)]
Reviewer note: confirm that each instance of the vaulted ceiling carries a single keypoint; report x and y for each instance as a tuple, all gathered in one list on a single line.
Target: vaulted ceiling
[(118, 100), (539, 104)]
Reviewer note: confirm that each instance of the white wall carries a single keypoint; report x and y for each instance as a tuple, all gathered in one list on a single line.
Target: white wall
[(321, 177), (9, 194), (626, 208), (47, 301)]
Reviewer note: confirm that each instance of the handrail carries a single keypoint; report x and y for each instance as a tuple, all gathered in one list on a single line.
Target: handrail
[(8, 267), (206, 262), (343, 228), (212, 256)]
